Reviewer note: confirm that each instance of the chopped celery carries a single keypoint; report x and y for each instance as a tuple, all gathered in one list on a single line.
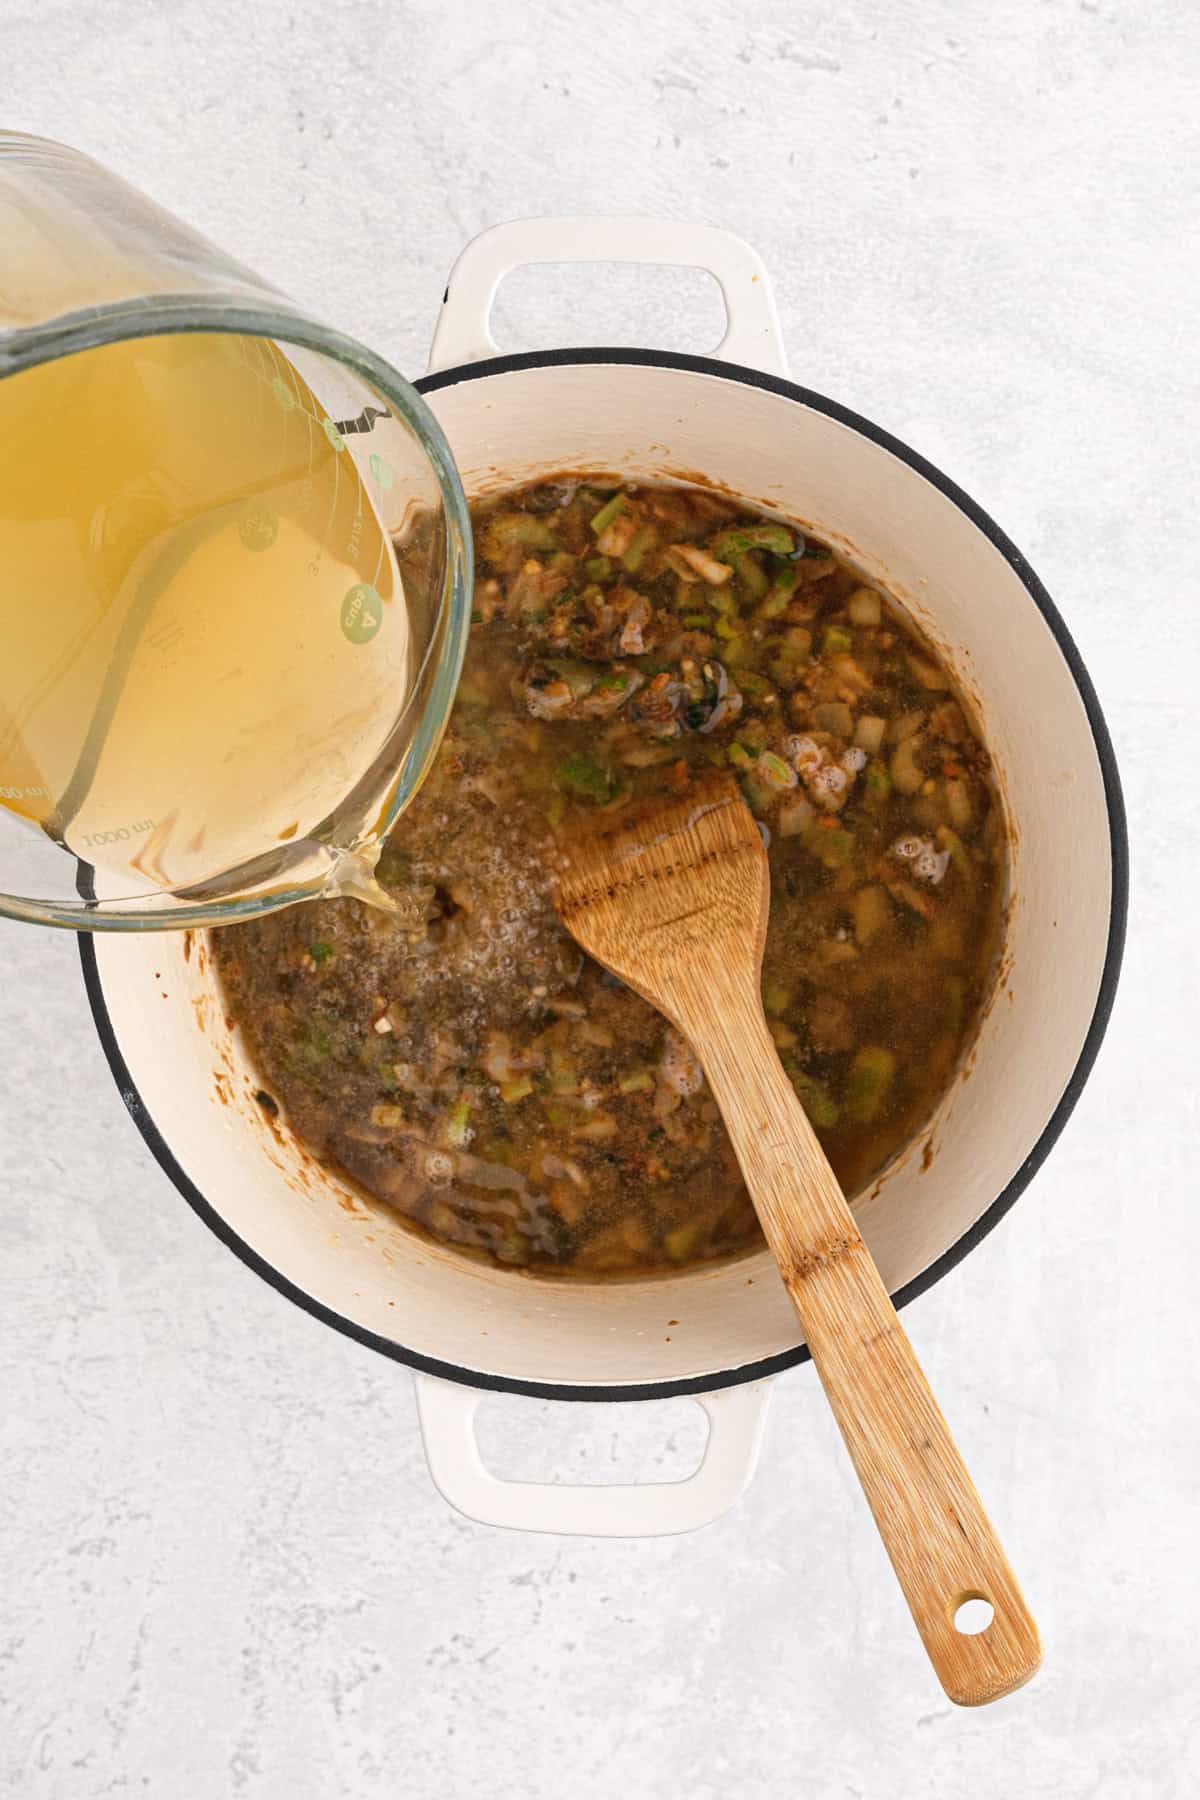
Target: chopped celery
[(776, 602), (736, 651), (635, 550), (870, 1077), (726, 627), (877, 781), (959, 854), (831, 847), (640, 1082), (835, 639), (816, 1100), (740, 757), (736, 541), (511, 1091), (871, 912), (680, 1242), (752, 575), (457, 1127), (505, 532), (597, 568), (587, 777), (608, 512), (697, 621), (776, 999)]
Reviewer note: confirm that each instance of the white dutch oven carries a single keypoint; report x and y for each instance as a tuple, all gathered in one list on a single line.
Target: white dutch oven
[(713, 1333)]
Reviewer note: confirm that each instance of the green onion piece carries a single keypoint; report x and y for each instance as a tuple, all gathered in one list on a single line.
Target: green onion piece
[(774, 765), (477, 618), (752, 576), (867, 1084), (776, 602), (608, 512), (775, 538), (833, 848), (635, 550), (681, 1242), (836, 639), (736, 650), (697, 621), (741, 758), (587, 777), (320, 953), (458, 1124), (726, 627), (877, 781), (959, 855), (597, 568), (816, 1100), (512, 1091), (615, 679), (640, 1082)]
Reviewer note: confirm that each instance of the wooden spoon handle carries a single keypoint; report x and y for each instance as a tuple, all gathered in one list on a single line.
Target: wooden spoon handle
[(940, 1540)]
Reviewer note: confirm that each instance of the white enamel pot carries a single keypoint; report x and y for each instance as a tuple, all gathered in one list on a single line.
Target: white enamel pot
[(716, 1333)]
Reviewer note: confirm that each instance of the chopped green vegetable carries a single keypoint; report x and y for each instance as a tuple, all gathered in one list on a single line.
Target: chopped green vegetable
[(519, 1089), (816, 1100), (635, 550), (833, 848), (476, 617), (682, 1240), (320, 953), (505, 532), (741, 758), (587, 777), (959, 854), (561, 1117), (877, 781), (608, 512), (597, 568), (736, 541), (774, 767), (457, 1127), (776, 602), (836, 638), (697, 621), (752, 575), (776, 999), (867, 1084), (556, 808), (640, 1082)]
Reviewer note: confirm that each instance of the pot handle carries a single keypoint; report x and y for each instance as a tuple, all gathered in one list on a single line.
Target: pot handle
[(752, 334), (654, 1509)]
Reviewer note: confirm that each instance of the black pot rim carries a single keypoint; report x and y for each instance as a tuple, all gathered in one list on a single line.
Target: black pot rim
[(1119, 855)]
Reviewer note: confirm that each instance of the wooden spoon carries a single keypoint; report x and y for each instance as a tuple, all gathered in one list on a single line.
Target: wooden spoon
[(673, 898)]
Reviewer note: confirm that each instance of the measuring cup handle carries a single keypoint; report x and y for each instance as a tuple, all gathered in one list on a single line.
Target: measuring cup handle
[(752, 334)]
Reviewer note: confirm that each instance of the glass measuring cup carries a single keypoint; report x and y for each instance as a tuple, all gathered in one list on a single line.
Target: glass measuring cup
[(235, 564)]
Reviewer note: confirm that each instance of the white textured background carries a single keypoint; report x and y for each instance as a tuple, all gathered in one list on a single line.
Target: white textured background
[(223, 1569)]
